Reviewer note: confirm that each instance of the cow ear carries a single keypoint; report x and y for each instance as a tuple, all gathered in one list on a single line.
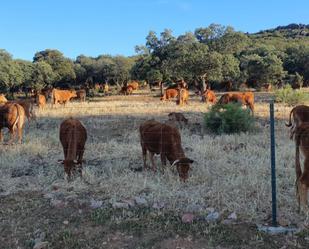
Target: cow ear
[(175, 162)]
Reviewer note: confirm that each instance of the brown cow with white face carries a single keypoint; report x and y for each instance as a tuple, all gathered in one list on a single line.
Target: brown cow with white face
[(300, 115), (62, 96), (73, 136), (12, 116), (163, 139)]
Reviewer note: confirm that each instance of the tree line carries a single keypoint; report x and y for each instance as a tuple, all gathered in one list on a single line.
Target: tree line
[(210, 55)]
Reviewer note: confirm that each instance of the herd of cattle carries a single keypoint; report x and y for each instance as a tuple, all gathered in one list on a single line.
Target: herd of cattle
[(155, 137)]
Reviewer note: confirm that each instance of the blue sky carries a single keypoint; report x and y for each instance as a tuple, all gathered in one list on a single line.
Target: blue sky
[(94, 27)]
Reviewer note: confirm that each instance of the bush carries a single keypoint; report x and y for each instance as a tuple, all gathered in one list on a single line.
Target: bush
[(289, 96), (230, 118)]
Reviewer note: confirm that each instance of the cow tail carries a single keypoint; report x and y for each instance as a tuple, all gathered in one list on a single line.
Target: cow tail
[(290, 118), (17, 118)]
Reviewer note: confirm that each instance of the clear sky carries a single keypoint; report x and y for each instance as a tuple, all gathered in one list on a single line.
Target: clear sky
[(94, 27)]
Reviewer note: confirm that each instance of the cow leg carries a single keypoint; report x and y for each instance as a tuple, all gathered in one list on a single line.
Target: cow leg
[(302, 197), (154, 168), (144, 152), (163, 162), (80, 161)]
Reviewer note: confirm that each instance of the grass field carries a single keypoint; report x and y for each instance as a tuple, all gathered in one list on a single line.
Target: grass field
[(231, 173)]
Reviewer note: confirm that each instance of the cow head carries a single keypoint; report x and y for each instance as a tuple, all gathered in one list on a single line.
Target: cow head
[(73, 93), (70, 166), (183, 167)]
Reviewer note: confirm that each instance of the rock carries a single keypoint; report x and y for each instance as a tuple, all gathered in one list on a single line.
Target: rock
[(158, 205), (57, 203), (130, 202), (65, 222), (187, 218), (95, 204), (140, 201), (120, 205), (232, 216), (214, 216), (41, 245)]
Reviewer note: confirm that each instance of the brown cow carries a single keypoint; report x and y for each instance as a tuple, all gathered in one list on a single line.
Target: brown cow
[(169, 94), (183, 96), (126, 90), (12, 116), (40, 101), (3, 99), (163, 139), (302, 177), (134, 85), (177, 117), (245, 98), (62, 96), (210, 96), (300, 115), (73, 136), (81, 95)]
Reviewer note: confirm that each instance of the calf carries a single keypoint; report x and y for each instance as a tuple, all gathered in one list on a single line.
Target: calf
[(73, 136), (300, 115), (40, 101), (244, 98), (163, 139), (183, 96), (12, 116), (169, 94), (302, 177)]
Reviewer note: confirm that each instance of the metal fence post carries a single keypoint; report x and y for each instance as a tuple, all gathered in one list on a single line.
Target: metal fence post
[(273, 164)]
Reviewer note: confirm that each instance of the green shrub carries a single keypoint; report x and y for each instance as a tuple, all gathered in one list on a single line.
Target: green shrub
[(289, 96), (230, 118)]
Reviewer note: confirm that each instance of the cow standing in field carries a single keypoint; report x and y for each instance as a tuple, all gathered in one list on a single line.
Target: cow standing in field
[(81, 95), (163, 139), (244, 98), (177, 117), (12, 116), (73, 136), (300, 115), (302, 177), (183, 96), (210, 96), (62, 96), (126, 90), (169, 94), (134, 85), (40, 101)]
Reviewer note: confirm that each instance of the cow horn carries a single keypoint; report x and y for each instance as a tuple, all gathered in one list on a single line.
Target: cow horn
[(175, 162)]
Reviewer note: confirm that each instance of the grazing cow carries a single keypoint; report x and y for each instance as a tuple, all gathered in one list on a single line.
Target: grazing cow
[(40, 101), (3, 99), (62, 96), (12, 116), (134, 85), (81, 95), (105, 88), (210, 96), (302, 177), (177, 117), (126, 90), (73, 136), (163, 139), (245, 98), (183, 96), (27, 104), (300, 115), (169, 94)]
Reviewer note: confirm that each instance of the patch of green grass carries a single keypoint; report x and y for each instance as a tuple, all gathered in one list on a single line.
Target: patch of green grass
[(291, 97)]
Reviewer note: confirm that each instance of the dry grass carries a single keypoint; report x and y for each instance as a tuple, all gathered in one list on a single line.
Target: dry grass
[(227, 178)]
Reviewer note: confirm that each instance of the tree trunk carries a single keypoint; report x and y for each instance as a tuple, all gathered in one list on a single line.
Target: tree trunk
[(204, 87), (161, 88)]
